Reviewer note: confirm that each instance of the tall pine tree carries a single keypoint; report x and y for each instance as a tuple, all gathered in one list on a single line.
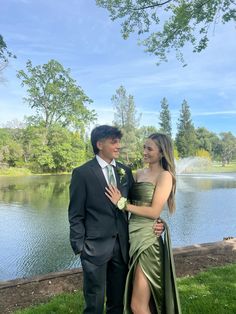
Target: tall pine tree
[(185, 138), (165, 118), (126, 119)]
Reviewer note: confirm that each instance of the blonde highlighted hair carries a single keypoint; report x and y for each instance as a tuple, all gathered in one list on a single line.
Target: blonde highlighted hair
[(164, 143)]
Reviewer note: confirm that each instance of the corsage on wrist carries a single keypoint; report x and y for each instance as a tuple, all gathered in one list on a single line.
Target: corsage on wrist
[(122, 204)]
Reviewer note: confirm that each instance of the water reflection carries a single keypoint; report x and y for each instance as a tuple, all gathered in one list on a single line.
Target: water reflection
[(34, 231), (38, 191)]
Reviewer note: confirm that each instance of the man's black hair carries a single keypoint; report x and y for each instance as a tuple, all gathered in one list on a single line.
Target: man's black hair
[(103, 132)]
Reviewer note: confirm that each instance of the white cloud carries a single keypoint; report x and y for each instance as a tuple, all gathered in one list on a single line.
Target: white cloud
[(214, 113)]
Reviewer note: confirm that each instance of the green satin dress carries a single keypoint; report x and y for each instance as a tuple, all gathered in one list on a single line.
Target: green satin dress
[(154, 255)]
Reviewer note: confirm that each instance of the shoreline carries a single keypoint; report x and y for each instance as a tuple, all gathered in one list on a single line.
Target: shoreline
[(193, 173), (189, 260), (215, 168)]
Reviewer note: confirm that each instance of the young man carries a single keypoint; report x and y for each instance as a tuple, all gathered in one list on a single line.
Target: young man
[(98, 230)]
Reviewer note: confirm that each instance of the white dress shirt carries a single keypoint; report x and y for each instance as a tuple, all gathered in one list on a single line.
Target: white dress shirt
[(103, 164)]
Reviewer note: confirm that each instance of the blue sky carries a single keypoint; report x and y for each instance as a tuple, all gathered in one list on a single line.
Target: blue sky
[(82, 37)]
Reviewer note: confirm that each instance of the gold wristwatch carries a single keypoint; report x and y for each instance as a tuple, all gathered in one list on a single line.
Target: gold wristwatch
[(122, 203)]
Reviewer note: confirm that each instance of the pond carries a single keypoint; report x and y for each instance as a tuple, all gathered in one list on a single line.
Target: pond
[(34, 230)]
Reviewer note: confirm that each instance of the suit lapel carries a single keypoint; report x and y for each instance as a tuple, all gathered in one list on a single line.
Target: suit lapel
[(117, 179), (122, 183), (97, 170)]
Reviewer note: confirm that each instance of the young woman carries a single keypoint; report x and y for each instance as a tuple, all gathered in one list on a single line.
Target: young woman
[(151, 285)]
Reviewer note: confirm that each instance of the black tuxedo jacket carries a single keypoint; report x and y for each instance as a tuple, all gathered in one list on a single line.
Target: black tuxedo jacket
[(94, 221)]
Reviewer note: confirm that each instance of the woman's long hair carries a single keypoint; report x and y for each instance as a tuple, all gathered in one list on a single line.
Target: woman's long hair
[(164, 143)]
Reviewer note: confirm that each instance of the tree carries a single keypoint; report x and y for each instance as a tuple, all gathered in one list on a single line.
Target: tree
[(11, 151), (55, 149), (171, 24), (55, 96), (37, 155), (206, 140), (185, 138), (15, 128), (165, 118), (227, 147), (67, 148), (145, 131), (126, 119), (202, 153), (5, 54)]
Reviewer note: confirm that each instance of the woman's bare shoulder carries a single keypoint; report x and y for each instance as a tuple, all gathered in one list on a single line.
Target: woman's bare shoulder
[(165, 175)]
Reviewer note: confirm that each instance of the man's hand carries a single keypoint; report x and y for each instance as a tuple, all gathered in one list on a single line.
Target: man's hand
[(158, 227)]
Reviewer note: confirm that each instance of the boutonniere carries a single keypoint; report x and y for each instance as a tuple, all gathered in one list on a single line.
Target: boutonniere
[(122, 174)]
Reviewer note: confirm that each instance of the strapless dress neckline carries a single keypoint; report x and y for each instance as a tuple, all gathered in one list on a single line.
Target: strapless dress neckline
[(144, 182)]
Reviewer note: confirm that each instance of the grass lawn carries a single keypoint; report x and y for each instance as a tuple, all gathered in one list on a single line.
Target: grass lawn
[(12, 171), (211, 292), (217, 167), (212, 168)]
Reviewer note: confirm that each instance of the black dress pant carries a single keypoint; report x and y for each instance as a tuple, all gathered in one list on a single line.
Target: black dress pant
[(108, 278)]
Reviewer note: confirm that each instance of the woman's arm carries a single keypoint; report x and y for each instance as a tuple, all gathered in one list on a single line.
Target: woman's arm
[(161, 194)]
